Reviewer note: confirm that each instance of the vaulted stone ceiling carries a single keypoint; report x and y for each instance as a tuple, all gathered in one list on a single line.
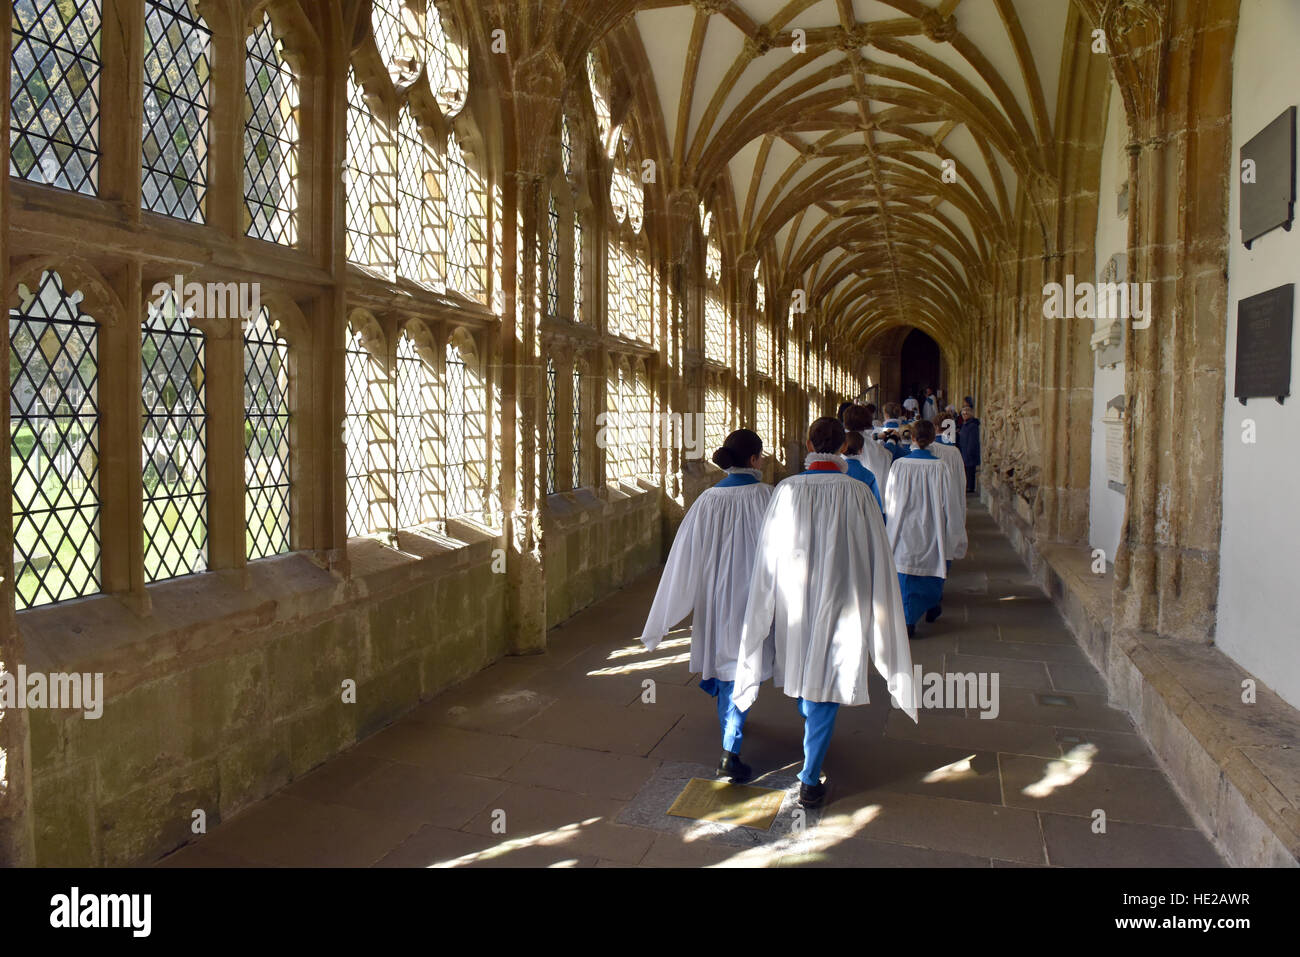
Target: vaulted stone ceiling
[(832, 160)]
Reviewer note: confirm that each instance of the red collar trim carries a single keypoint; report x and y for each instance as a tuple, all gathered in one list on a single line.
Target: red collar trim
[(823, 467)]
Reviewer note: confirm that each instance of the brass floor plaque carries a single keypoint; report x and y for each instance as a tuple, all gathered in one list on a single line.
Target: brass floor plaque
[(739, 804)]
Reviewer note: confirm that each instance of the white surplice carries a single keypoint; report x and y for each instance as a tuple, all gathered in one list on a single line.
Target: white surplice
[(951, 457), (708, 572), (877, 458), (918, 501), (825, 584)]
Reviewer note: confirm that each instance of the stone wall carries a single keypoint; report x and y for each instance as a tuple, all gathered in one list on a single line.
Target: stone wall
[(227, 694), (593, 545)]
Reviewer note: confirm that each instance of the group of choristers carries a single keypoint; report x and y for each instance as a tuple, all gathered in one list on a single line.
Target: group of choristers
[(815, 581)]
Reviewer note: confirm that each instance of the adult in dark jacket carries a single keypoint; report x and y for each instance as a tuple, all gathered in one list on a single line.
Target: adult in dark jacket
[(968, 443)]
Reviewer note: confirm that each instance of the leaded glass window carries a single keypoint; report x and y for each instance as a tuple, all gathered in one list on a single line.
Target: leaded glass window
[(414, 385), (54, 67), (358, 173), (174, 151), (267, 479), (467, 225), (54, 444), (715, 328), (644, 299), (577, 428), (175, 443), (359, 433), (552, 258), (614, 303), (715, 415), (421, 204), (578, 242), (270, 139), (566, 145), (466, 448), (551, 418)]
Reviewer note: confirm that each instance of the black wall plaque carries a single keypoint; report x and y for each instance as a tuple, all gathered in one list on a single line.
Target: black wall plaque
[(1269, 201), (1264, 344)]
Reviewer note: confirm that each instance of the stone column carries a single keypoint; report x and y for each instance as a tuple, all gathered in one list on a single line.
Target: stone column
[(1061, 509), (536, 97), (1173, 61)]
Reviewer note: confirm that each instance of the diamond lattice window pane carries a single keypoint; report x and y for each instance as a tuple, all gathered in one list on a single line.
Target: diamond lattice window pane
[(174, 430), (466, 225), (457, 432), (267, 481), (358, 433), (552, 259), (421, 207), (551, 449), (577, 428), (54, 68), (577, 268), (54, 445), (357, 173), (270, 139), (414, 384), (174, 171)]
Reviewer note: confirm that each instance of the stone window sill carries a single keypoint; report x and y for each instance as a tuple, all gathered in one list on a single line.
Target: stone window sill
[(213, 613)]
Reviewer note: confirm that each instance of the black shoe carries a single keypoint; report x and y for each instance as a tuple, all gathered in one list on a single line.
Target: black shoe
[(934, 613), (911, 632), (736, 770), (812, 796)]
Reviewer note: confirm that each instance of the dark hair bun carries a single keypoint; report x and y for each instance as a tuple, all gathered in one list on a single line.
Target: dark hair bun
[(724, 458)]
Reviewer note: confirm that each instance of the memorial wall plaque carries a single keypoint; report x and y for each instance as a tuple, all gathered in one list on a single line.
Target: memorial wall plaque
[(1267, 174), (1264, 344)]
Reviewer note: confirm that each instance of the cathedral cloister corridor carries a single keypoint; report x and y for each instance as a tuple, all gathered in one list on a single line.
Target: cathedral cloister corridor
[(416, 406), (582, 767)]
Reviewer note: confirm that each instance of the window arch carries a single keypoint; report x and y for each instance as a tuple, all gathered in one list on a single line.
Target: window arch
[(54, 444), (174, 434), (54, 70), (268, 482), (270, 139), (174, 160)]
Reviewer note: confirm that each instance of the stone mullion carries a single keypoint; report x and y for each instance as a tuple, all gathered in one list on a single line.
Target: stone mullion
[(223, 357), (225, 198), (121, 95), (121, 484), (15, 808)]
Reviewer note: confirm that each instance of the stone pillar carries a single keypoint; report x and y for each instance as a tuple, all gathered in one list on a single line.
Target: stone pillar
[(536, 98), (1172, 61), (1061, 508)]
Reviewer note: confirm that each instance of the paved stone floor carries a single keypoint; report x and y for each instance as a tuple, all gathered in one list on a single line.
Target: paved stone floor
[(562, 752)]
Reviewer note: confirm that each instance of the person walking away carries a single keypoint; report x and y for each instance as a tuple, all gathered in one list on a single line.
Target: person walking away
[(825, 586), (708, 572)]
